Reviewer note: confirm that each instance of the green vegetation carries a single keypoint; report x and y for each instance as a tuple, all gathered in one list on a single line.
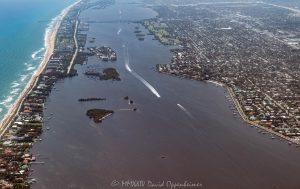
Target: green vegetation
[(98, 114), (80, 58), (64, 41), (160, 31), (21, 186)]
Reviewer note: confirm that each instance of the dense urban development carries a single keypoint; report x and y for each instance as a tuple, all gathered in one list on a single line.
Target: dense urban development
[(251, 48), (24, 126)]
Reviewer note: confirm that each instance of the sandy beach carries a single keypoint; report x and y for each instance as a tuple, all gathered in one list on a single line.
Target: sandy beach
[(50, 38)]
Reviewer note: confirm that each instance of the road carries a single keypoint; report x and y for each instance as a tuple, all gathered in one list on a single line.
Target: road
[(76, 46)]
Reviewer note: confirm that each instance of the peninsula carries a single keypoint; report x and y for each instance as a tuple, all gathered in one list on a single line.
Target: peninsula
[(22, 125)]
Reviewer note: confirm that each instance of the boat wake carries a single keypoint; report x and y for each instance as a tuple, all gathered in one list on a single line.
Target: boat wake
[(119, 31), (185, 111), (140, 78)]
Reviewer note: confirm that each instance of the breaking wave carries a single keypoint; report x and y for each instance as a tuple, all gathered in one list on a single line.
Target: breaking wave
[(35, 54)]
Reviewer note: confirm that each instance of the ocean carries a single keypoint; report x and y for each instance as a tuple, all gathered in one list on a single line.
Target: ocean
[(23, 27)]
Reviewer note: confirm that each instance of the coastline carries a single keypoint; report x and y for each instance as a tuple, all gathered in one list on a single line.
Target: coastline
[(245, 118), (50, 37)]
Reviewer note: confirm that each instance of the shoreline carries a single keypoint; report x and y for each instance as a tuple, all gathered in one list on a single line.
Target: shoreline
[(241, 112), (50, 38), (245, 118)]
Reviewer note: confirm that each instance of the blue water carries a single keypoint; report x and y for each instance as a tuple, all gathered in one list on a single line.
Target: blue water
[(22, 29)]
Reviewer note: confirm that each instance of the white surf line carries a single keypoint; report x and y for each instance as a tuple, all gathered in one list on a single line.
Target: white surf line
[(185, 111), (34, 55), (146, 83)]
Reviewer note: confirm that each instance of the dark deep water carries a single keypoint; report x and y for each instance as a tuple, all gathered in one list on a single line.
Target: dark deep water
[(159, 142)]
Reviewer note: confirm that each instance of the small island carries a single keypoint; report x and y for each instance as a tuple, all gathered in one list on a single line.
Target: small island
[(98, 115), (91, 99), (107, 74), (110, 74)]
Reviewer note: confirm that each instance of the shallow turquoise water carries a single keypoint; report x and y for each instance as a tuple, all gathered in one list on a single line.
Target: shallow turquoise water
[(22, 29)]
